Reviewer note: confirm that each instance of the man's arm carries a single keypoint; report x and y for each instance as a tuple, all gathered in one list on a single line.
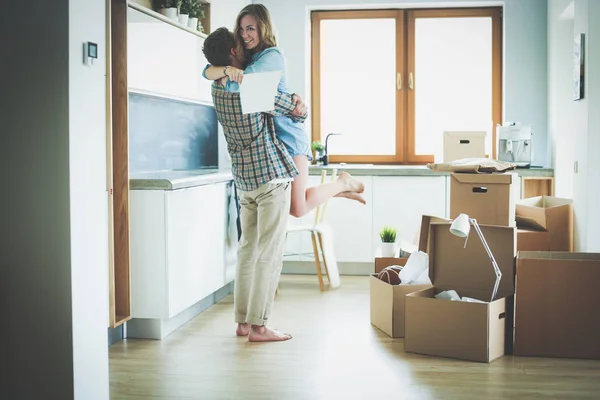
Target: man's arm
[(284, 105)]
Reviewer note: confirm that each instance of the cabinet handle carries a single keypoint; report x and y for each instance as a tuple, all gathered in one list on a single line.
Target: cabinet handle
[(410, 81), (399, 81)]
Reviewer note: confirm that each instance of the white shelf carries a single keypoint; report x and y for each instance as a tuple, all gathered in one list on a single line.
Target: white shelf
[(164, 19)]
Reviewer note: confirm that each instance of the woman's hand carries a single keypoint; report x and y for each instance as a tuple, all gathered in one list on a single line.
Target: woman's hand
[(301, 108), (235, 74)]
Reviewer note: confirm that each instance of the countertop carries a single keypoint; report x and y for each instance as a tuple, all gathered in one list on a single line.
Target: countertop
[(410, 170), (181, 179), (178, 179)]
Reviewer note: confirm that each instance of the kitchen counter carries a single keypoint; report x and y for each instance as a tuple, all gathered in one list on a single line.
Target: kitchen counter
[(178, 179), (410, 170)]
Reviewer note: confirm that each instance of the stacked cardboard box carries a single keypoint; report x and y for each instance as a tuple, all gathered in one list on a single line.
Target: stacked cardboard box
[(488, 198)]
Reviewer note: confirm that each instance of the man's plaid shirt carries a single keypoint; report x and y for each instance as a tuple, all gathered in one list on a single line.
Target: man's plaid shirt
[(257, 156)]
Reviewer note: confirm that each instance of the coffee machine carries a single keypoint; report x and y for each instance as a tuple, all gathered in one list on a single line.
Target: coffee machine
[(514, 144)]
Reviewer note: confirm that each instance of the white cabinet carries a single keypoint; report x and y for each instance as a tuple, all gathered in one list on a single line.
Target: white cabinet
[(165, 60), (178, 248), (401, 201), (194, 244)]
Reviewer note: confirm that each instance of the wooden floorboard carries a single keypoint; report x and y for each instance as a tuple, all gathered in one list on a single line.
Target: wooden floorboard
[(335, 354)]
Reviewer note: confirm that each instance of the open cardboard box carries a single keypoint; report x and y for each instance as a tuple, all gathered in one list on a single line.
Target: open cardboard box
[(456, 329), (557, 305), (551, 218), (387, 301), (489, 198), (384, 262)]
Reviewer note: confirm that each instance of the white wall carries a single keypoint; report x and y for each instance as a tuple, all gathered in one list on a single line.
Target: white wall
[(592, 76), (89, 200), (224, 12), (574, 126), (54, 247), (524, 62), (560, 104)]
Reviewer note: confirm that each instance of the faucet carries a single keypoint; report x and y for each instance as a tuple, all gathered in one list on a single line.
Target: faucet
[(325, 157)]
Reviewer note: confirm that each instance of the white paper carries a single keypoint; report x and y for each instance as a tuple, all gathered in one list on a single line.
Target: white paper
[(258, 91), (415, 265)]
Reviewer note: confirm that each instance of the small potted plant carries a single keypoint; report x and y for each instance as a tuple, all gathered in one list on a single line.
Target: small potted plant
[(388, 241), (318, 150), (196, 13), (185, 11), (168, 8)]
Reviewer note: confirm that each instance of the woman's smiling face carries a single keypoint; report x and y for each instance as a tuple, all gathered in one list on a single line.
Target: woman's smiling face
[(249, 32)]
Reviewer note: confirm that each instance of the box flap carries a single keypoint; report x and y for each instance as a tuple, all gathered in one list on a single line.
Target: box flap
[(469, 270), (487, 179), (426, 221), (532, 213)]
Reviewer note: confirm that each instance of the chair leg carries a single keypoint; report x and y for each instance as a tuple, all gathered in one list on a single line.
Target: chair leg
[(317, 261), (324, 258)]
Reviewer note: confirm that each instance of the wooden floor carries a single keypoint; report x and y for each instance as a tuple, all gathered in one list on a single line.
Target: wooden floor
[(335, 354)]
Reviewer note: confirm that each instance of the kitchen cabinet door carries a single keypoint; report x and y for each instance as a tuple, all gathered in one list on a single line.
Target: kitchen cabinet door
[(401, 201), (195, 246)]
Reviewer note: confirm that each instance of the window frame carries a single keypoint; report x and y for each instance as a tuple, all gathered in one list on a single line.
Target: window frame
[(405, 64)]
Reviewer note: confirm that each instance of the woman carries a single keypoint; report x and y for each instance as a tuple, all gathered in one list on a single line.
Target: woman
[(256, 47)]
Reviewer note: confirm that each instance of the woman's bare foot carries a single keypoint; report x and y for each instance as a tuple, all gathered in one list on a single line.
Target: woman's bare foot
[(264, 334), (350, 184), (242, 329), (352, 196)]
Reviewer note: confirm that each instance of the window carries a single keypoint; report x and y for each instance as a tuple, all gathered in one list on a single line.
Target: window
[(392, 81)]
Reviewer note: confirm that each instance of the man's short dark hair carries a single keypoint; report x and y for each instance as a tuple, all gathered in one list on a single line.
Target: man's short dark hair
[(217, 47)]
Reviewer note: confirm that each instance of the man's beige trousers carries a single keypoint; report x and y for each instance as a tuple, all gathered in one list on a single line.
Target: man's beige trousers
[(263, 215)]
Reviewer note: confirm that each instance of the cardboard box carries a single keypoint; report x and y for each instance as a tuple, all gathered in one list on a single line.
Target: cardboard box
[(383, 262), (467, 331), (489, 198), (533, 240), (467, 144), (387, 305), (387, 301), (548, 214), (557, 305)]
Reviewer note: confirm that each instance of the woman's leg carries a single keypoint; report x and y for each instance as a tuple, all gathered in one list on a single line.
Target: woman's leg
[(305, 199)]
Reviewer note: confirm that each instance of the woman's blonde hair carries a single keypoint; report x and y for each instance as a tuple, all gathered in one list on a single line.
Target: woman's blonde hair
[(266, 32)]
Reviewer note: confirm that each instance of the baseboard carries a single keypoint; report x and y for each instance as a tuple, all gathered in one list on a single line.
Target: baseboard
[(158, 329), (115, 335), (308, 268)]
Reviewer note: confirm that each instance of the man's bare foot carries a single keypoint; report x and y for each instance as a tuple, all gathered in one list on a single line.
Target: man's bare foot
[(242, 329), (350, 184), (264, 334), (352, 196)]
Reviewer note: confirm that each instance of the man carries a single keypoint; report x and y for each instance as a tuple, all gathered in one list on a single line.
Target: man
[(262, 170)]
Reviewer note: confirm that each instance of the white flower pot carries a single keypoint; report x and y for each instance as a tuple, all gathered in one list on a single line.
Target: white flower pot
[(388, 249), (170, 13), (192, 23), (183, 19)]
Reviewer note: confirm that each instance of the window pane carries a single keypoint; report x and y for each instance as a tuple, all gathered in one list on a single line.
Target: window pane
[(361, 107), (453, 80)]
